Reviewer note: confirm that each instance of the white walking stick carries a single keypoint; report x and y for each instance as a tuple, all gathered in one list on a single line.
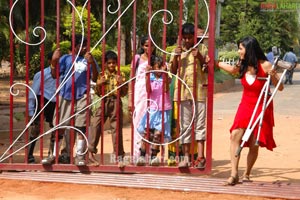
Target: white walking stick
[(264, 91), (263, 109)]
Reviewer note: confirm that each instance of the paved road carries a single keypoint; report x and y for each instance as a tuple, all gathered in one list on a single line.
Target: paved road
[(287, 102)]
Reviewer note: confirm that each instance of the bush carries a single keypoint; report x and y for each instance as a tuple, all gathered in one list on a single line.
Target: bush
[(64, 47), (126, 70), (169, 49), (227, 55), (97, 53)]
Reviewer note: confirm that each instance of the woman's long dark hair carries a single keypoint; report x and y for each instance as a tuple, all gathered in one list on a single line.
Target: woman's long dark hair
[(140, 50), (253, 54)]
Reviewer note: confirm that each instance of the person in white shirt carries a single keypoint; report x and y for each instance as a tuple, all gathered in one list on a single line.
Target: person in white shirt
[(292, 58)]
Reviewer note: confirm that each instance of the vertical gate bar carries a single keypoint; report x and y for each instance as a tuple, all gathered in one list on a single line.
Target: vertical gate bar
[(195, 84), (118, 91), (102, 71), (88, 98), (57, 23), (26, 72), (57, 78), (150, 43), (179, 83), (73, 134), (42, 59), (11, 81), (164, 42), (132, 83), (211, 52), (164, 36), (148, 74), (165, 78)]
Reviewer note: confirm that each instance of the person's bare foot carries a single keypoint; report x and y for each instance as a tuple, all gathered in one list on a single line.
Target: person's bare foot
[(93, 161)]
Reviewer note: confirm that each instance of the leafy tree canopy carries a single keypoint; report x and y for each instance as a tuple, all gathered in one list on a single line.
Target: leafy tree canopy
[(273, 28), (95, 26)]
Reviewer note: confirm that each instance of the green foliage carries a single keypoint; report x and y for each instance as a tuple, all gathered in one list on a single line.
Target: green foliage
[(95, 27), (34, 65), (170, 49), (19, 116), (97, 53), (229, 47), (4, 37), (275, 28), (202, 13), (126, 70), (157, 24), (226, 55), (125, 106), (64, 46)]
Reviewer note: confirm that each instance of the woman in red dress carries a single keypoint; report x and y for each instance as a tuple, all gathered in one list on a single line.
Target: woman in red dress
[(252, 65)]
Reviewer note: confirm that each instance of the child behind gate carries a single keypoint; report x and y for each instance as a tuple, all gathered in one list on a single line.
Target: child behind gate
[(157, 86)]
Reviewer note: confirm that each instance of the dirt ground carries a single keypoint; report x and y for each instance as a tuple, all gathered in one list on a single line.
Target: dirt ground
[(281, 164), (32, 190)]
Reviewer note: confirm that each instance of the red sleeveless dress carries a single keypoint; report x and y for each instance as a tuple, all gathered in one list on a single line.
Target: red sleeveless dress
[(246, 108)]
